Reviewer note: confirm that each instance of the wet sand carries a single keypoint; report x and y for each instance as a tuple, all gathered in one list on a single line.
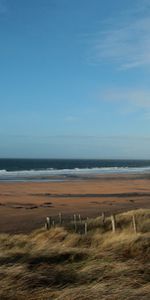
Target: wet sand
[(24, 205)]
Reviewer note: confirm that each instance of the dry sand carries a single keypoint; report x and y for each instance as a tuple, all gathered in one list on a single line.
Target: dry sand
[(24, 206)]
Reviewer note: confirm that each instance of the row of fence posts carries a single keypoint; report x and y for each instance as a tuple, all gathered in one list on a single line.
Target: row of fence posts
[(51, 223), (114, 223)]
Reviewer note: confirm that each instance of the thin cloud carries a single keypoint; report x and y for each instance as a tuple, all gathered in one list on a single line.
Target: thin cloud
[(138, 97), (126, 40), (81, 137)]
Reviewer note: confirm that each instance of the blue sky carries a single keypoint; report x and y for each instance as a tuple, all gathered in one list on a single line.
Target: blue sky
[(75, 78)]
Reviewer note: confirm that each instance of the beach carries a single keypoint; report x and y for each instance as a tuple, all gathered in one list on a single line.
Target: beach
[(25, 205)]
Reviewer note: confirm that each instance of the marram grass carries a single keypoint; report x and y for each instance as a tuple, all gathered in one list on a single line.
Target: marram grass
[(59, 264)]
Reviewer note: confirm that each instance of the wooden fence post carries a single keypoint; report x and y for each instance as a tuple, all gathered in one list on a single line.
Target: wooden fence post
[(75, 222), (103, 218), (60, 218), (134, 223), (86, 228), (48, 223), (113, 222), (46, 227), (80, 220)]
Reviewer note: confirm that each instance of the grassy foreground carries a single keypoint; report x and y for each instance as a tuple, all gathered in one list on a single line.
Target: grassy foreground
[(59, 264)]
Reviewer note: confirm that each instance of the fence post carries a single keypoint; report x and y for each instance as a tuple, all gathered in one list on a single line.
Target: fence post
[(113, 222), (134, 223), (75, 222), (60, 218), (46, 227), (53, 223), (80, 220), (103, 218), (48, 223), (86, 228)]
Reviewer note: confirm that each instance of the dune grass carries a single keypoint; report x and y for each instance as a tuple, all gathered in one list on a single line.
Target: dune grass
[(63, 265)]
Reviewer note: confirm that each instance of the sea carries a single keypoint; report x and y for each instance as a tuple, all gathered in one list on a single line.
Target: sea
[(62, 169)]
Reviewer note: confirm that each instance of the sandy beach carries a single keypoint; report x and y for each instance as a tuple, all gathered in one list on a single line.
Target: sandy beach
[(24, 205)]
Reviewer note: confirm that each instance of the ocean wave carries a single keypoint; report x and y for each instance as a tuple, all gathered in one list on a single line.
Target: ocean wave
[(4, 174), (3, 171)]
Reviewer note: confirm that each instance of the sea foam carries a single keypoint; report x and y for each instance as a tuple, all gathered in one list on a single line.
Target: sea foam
[(47, 173)]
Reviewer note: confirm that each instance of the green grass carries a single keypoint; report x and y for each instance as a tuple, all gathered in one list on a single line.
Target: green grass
[(59, 264)]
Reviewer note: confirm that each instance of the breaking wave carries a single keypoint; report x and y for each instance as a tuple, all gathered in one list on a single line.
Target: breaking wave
[(48, 173)]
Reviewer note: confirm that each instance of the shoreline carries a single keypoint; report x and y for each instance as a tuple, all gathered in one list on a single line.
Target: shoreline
[(71, 174)]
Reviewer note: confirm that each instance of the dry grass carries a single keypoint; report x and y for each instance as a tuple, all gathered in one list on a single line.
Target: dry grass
[(59, 264)]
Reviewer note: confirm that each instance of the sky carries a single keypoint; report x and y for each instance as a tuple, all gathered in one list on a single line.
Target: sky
[(75, 79)]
